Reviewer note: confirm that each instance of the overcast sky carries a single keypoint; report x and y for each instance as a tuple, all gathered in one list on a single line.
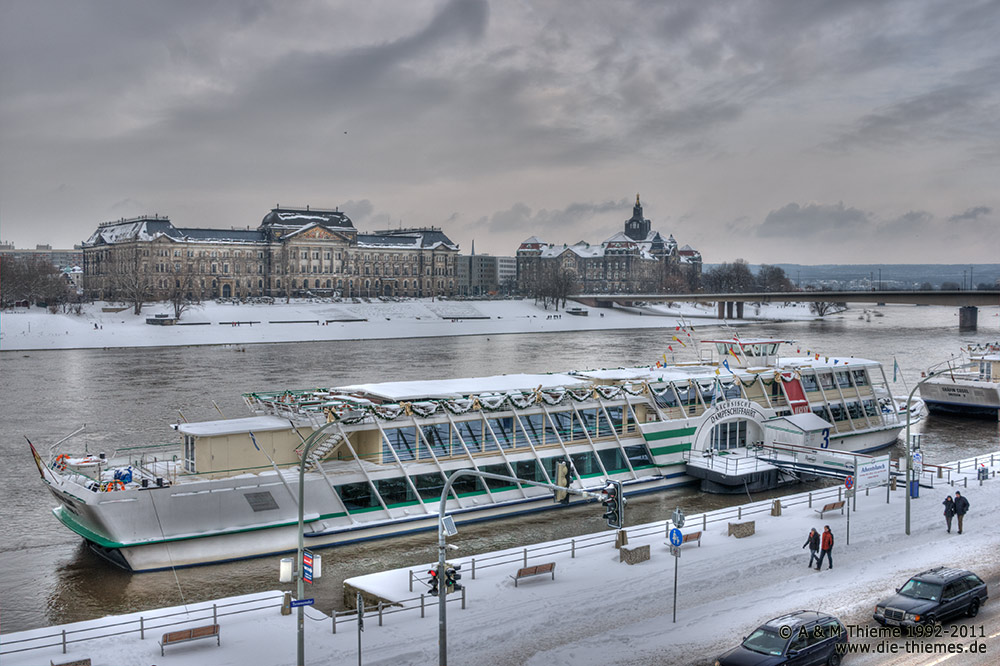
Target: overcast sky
[(798, 131)]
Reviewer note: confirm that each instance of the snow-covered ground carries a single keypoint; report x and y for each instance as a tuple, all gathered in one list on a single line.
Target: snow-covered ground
[(216, 323), (598, 610)]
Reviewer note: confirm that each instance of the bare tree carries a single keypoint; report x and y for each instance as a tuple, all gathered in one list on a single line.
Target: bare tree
[(129, 277), (32, 280), (183, 293)]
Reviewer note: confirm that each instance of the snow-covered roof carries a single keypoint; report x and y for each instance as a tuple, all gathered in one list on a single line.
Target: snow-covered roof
[(233, 426), (457, 388), (807, 422)]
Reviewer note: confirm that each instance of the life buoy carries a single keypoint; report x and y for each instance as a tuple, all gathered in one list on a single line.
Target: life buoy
[(60, 461), (112, 486)]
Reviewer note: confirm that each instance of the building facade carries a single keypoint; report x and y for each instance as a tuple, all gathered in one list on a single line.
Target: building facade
[(635, 260), (62, 259), (294, 252)]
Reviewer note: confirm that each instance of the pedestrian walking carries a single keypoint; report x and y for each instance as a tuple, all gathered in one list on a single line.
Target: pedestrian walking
[(825, 548), (949, 511), (961, 508), (813, 542)]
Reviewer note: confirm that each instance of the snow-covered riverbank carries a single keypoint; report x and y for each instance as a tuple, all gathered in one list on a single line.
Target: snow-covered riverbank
[(214, 323)]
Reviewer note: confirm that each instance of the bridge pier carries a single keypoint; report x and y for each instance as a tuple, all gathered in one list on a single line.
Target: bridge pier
[(739, 309), (722, 309), (968, 317)]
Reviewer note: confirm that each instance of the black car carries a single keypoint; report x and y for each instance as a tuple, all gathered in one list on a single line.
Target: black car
[(801, 638), (933, 596)]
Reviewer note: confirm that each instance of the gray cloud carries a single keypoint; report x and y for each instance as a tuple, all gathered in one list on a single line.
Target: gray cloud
[(576, 218), (811, 220), (971, 214)]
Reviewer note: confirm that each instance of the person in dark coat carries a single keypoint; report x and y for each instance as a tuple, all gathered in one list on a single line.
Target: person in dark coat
[(825, 548), (949, 511), (961, 508), (813, 542)]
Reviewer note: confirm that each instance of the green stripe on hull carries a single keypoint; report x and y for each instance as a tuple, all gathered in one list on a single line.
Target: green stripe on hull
[(668, 434), (673, 448)]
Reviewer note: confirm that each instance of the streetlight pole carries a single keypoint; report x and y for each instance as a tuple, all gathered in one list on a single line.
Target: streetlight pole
[(300, 589), (442, 544)]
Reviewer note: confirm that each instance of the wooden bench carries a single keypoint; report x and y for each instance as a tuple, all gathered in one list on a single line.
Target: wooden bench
[(538, 570), (76, 662), (185, 635), (832, 506)]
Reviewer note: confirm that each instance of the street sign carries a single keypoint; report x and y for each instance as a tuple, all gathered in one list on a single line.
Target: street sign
[(918, 463), (449, 526), (849, 482), (307, 567), (849, 493), (872, 473), (676, 538), (302, 602), (678, 518), (675, 551)]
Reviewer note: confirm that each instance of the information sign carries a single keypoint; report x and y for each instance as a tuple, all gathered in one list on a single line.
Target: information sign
[(676, 538), (918, 463), (675, 551), (307, 567), (302, 602), (872, 473)]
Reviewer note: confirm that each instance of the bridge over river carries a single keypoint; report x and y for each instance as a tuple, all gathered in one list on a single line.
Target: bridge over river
[(731, 305)]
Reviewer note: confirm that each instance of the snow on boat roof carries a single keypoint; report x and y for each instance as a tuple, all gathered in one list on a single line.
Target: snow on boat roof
[(456, 388), (653, 375), (233, 426), (806, 422)]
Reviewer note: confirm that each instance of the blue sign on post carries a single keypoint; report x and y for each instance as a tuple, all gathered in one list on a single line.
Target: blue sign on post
[(676, 538), (307, 567), (302, 602)]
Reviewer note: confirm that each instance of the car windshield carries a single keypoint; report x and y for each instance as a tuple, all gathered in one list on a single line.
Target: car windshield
[(919, 589), (765, 641)]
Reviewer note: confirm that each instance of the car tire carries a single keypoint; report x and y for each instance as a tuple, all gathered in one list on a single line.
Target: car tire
[(833, 659), (973, 609)]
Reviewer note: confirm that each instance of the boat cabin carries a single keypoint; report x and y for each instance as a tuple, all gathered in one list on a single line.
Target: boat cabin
[(751, 352)]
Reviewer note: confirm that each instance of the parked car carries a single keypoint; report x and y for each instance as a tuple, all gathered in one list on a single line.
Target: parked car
[(803, 637), (933, 596)]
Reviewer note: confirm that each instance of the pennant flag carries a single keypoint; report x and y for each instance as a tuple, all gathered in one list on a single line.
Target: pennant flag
[(817, 357), (665, 356), (735, 355), (678, 340), (38, 460), (725, 363), (677, 328), (836, 361), (670, 348), (254, 440), (717, 371), (826, 359)]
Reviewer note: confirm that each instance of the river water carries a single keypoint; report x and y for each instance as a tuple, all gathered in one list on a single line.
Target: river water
[(129, 396)]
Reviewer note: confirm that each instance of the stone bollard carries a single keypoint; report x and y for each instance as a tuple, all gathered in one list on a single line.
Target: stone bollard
[(776, 507), (286, 604), (621, 539)]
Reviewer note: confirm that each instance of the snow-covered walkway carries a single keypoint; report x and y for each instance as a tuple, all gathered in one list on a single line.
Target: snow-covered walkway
[(599, 610)]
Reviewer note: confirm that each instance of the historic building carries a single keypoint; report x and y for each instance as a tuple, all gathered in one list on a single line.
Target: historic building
[(636, 260), (294, 252)]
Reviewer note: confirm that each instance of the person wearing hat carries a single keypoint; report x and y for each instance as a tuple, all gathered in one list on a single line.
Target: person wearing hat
[(949, 511)]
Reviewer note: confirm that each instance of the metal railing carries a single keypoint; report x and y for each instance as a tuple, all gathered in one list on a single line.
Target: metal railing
[(385, 608), (66, 637)]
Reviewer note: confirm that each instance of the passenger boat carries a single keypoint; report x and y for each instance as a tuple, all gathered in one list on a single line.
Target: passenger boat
[(971, 389), (230, 488)]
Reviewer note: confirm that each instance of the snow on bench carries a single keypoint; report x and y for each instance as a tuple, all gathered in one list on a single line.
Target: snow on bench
[(76, 662), (832, 506), (185, 635), (538, 570)]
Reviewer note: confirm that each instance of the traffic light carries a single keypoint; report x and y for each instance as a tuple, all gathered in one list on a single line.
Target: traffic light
[(451, 577), (433, 582), (614, 504), (563, 478)]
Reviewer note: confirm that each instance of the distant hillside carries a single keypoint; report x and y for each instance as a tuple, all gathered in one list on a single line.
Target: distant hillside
[(893, 276)]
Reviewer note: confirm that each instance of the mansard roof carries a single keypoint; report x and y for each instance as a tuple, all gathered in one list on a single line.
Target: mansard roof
[(420, 237), (300, 217)]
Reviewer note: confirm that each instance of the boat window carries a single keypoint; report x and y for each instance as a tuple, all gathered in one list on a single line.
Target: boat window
[(809, 382), (667, 398), (534, 425), (843, 379), (403, 441), (826, 380), (820, 411), (854, 409), (357, 496), (497, 484), (436, 435), (529, 469), (638, 455), (731, 391), (722, 348), (615, 414), (395, 491), (589, 417), (729, 435), (429, 485), (870, 408), (683, 394), (189, 454), (585, 463), (564, 424), (860, 378), (613, 460), (472, 434), (503, 429), (468, 485)]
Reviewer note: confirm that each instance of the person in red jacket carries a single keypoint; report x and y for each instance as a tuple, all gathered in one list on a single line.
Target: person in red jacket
[(825, 548)]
